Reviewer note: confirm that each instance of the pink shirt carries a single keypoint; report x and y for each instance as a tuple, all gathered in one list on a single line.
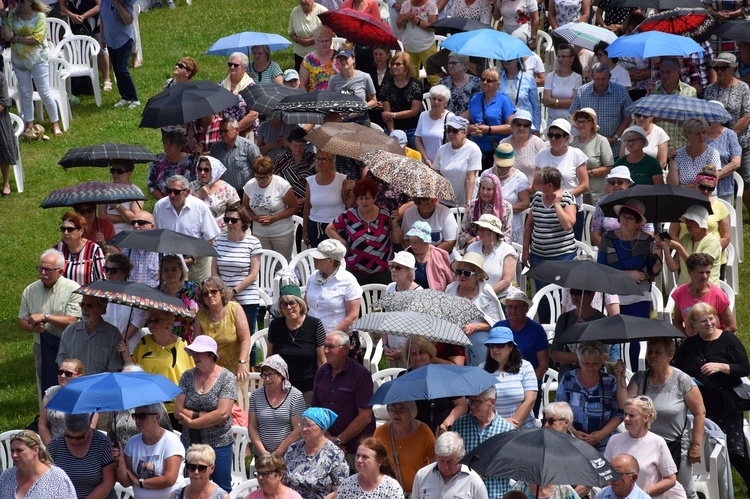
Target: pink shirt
[(258, 494), (715, 297), (371, 7)]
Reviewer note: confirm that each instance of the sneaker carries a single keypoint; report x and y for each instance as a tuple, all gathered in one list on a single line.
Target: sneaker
[(134, 104), (122, 102), (171, 5)]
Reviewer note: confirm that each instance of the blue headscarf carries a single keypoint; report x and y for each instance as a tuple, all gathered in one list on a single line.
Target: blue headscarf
[(320, 416)]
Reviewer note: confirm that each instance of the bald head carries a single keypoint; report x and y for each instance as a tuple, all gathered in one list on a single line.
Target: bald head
[(140, 218), (626, 463)]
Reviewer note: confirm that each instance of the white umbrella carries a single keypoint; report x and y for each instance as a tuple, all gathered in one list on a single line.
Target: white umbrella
[(584, 34)]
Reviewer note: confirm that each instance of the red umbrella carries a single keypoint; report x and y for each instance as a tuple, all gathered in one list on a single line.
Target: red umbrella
[(698, 24), (359, 27)]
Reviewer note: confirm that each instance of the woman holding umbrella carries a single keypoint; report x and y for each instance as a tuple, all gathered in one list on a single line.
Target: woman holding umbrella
[(521, 89), (121, 214), (173, 281), (33, 471), (355, 82), (85, 259), (263, 70), (51, 421), (688, 160), (209, 187), (319, 65)]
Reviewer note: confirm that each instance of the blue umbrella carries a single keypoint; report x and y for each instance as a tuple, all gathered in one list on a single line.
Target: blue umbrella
[(245, 41), (434, 381), (488, 43), (653, 44), (679, 108), (112, 392)]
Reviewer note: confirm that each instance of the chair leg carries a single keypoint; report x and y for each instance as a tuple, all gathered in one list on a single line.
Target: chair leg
[(95, 82), (18, 173)]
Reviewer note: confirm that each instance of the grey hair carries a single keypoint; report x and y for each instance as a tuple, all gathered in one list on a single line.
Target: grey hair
[(600, 67), (594, 349), (59, 257), (410, 405), (77, 423), (244, 59), (132, 368), (459, 57), (232, 122), (450, 443), (342, 336), (322, 30), (692, 125), (184, 182), (559, 410), (490, 392), (440, 91)]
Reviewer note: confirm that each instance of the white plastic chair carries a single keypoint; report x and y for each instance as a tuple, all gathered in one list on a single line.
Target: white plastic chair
[(734, 235), (239, 450), (459, 212), (18, 127), (588, 215), (669, 308), (261, 339), (426, 103), (706, 472), (371, 293), (59, 72), (738, 205), (732, 270), (11, 81), (381, 411), (584, 249), (270, 262), (337, 42), (304, 265), (297, 222), (377, 355), (377, 127), (246, 388), (520, 276), (57, 29), (552, 293), (730, 294), (368, 346), (137, 32), (5, 459), (385, 14), (241, 490), (126, 492), (549, 385), (657, 301), (81, 51), (548, 55)]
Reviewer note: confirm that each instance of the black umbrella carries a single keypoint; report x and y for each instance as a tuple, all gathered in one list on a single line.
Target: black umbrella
[(664, 203), (451, 25), (264, 98), (735, 30), (163, 241), (92, 193), (590, 276), (322, 102), (545, 457), (135, 294), (185, 102), (104, 154), (658, 4), (619, 329)]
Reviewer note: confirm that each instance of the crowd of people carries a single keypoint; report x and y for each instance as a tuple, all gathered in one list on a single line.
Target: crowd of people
[(524, 186)]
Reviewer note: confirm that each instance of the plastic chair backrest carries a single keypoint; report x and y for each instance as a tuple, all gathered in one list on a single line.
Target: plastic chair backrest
[(270, 263)]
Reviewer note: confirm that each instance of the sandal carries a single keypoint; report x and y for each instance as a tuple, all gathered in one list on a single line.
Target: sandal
[(107, 86), (58, 133)]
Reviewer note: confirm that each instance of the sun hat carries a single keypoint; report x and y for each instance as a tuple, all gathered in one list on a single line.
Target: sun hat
[(636, 129), (201, 344), (635, 206), (422, 230), (620, 172), (697, 214), (330, 248), (504, 155), (562, 124), (291, 290), (474, 259), (489, 221), (587, 111), (522, 114), (321, 416), (457, 122), (405, 259), (291, 74), (515, 294), (725, 57), (499, 336), (400, 137)]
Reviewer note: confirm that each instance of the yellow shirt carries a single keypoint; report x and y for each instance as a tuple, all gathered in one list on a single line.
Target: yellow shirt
[(170, 361), (225, 334), (413, 154)]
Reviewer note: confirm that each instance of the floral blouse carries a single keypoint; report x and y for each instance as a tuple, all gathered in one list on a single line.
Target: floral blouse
[(319, 73), (314, 477), (183, 326), (161, 169), (27, 56), (466, 232), (567, 11), (218, 200), (460, 96)]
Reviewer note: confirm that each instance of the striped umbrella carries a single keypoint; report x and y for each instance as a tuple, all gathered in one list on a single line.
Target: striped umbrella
[(92, 193), (584, 34)]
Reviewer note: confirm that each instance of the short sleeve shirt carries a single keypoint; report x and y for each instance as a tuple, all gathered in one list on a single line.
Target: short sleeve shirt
[(442, 222), (220, 434), (370, 245), (269, 201)]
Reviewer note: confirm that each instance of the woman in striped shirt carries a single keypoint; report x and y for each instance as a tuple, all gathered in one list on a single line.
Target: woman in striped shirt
[(84, 258)]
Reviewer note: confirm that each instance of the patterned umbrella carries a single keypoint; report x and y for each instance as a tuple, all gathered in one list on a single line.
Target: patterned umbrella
[(659, 5), (584, 34), (92, 193), (697, 24), (455, 309), (104, 154), (264, 98), (352, 140), (245, 41), (407, 324), (300, 117), (322, 102), (411, 176), (163, 241), (359, 27), (680, 108), (135, 294)]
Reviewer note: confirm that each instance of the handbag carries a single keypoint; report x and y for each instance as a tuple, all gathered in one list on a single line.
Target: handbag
[(739, 396)]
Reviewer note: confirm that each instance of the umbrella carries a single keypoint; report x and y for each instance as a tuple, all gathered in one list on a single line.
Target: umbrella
[(584, 34), (163, 241), (245, 41), (264, 98), (735, 30), (323, 102), (407, 324), (411, 176), (451, 25), (619, 329), (434, 381), (300, 117), (590, 276), (352, 140), (488, 43), (112, 392), (653, 44), (459, 311), (359, 27), (546, 457), (104, 154), (680, 108), (93, 193), (664, 203), (658, 4), (697, 24), (186, 102), (135, 294)]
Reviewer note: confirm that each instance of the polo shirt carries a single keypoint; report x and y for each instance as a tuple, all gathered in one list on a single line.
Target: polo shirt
[(327, 302), (58, 300), (97, 351), (195, 218), (429, 484), (344, 394)]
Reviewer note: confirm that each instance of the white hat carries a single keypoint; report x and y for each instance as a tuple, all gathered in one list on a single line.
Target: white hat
[(620, 172), (636, 129), (515, 294), (697, 214), (562, 124), (291, 74), (330, 248), (405, 259), (489, 221)]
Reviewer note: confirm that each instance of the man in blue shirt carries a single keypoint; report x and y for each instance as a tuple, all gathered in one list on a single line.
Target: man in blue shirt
[(625, 487)]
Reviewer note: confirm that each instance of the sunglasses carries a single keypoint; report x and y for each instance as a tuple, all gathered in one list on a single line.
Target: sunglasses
[(65, 374), (211, 291), (465, 273), (176, 192), (705, 188), (449, 129), (77, 437), (550, 421), (112, 270), (474, 402), (499, 346), (204, 170), (231, 220), (233, 65), (117, 171), (180, 65), (85, 211), (639, 116), (288, 304), (69, 230), (617, 182), (192, 468), (488, 80), (394, 64), (524, 124), (140, 222), (722, 68), (556, 136), (268, 374), (631, 141), (396, 267), (140, 416)]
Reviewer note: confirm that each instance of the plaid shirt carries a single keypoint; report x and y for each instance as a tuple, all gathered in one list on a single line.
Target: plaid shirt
[(612, 107), (674, 128), (473, 435)]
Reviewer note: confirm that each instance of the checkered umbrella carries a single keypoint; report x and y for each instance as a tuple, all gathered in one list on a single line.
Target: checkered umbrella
[(104, 154), (411, 176), (135, 294), (300, 117), (264, 98), (92, 193), (454, 309), (352, 140), (680, 108), (408, 324)]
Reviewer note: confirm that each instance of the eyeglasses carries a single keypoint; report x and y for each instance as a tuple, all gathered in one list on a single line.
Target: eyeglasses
[(488, 80), (583, 121), (323, 159), (233, 65), (264, 474), (550, 421), (268, 374), (475, 402), (65, 374), (204, 170), (563, 56), (454, 63), (117, 171), (211, 291), (394, 64), (153, 320), (45, 270), (397, 410), (465, 273), (617, 182), (180, 65), (231, 220), (288, 304), (69, 230), (192, 468), (524, 124), (88, 304), (77, 437), (499, 346), (631, 141), (140, 416), (85, 211), (396, 267), (176, 192), (722, 68), (331, 347), (140, 222), (556, 136), (112, 270), (705, 188)]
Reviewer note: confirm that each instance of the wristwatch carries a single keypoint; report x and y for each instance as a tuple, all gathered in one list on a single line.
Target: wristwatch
[(243, 361), (337, 442), (140, 482), (46, 317)]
